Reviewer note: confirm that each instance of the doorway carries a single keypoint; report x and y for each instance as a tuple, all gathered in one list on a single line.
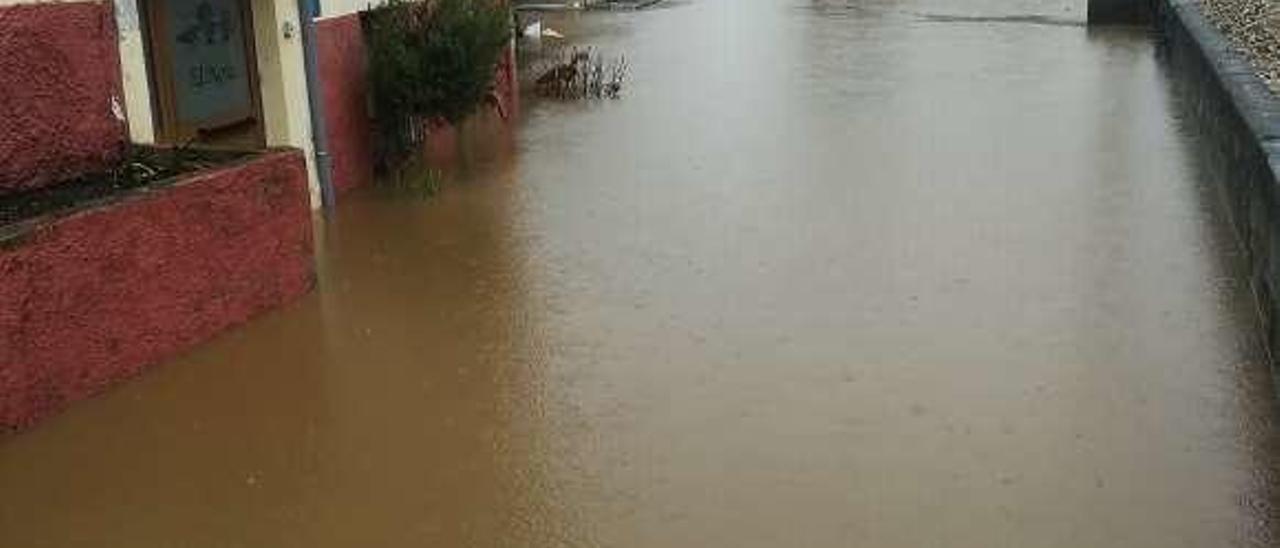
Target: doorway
[(203, 70)]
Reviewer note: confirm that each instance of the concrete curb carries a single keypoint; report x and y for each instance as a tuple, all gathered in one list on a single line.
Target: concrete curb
[(1240, 119), (1254, 102)]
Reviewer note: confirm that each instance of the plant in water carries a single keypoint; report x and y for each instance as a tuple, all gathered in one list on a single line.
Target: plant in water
[(429, 61), (580, 73)]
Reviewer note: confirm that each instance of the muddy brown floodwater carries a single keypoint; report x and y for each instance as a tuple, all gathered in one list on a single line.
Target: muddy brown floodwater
[(867, 273)]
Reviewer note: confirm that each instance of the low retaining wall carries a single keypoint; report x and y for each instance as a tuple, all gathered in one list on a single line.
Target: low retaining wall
[(92, 297), (1240, 120)]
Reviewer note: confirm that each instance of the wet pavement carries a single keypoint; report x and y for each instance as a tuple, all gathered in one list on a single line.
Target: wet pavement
[(884, 273)]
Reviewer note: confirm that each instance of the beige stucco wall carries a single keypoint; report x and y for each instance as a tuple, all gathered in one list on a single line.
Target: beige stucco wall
[(133, 69), (283, 79)]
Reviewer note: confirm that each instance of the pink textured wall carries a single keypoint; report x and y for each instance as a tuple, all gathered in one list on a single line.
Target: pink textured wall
[(508, 85), (59, 70), (341, 58), (95, 297)]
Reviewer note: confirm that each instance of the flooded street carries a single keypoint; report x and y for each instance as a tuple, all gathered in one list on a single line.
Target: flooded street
[(831, 273)]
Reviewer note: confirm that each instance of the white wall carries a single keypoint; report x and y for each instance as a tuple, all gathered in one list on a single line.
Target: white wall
[(283, 79), (133, 70), (335, 8)]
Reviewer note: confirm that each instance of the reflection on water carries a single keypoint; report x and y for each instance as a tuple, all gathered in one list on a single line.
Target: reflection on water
[(881, 273)]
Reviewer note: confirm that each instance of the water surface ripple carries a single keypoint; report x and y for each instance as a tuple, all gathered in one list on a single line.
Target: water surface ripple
[(833, 273)]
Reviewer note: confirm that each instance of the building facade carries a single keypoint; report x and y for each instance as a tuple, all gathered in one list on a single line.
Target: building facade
[(248, 74)]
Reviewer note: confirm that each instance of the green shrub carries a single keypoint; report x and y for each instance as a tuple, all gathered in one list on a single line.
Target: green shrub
[(429, 60)]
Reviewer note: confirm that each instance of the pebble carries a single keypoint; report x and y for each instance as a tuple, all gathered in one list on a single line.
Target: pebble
[(1254, 27)]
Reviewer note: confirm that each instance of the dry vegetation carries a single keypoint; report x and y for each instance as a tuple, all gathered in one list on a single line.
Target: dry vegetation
[(580, 73)]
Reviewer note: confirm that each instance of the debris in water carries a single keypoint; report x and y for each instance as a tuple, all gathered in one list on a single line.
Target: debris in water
[(536, 30), (533, 30), (581, 73)]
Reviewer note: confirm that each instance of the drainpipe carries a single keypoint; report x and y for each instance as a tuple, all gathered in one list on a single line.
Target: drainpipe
[(309, 10)]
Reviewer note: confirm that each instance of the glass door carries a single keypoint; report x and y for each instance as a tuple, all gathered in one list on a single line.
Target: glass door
[(204, 72)]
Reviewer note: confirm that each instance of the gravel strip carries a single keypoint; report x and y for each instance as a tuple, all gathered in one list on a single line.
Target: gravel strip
[(1254, 27)]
